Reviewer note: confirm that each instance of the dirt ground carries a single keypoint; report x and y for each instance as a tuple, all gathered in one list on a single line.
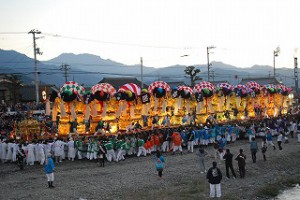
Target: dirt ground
[(136, 178)]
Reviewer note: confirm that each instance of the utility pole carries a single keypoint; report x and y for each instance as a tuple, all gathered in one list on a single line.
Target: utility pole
[(275, 54), (35, 51), (142, 73), (65, 67), (208, 63), (296, 73), (213, 75)]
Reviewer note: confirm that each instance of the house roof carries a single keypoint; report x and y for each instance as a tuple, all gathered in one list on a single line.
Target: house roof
[(217, 82), (175, 83), (260, 80), (117, 82)]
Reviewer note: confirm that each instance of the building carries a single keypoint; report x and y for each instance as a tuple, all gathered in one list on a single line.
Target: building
[(260, 80), (117, 82), (27, 92), (10, 85)]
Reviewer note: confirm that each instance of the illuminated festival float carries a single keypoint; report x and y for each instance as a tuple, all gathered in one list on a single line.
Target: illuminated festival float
[(107, 110)]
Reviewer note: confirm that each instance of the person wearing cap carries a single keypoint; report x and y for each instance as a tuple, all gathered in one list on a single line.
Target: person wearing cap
[(49, 169), (214, 176)]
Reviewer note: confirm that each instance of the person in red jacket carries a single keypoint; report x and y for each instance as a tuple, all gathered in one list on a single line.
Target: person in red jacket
[(157, 143), (176, 138)]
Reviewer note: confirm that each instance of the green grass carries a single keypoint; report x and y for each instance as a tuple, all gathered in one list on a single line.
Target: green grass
[(272, 190)]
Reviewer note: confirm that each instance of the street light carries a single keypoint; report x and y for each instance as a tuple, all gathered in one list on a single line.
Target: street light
[(275, 54), (208, 63)]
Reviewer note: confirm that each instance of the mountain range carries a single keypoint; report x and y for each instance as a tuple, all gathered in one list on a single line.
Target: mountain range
[(89, 69)]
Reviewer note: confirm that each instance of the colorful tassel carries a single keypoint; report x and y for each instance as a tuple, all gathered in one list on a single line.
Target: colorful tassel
[(198, 108), (104, 109), (54, 112), (48, 109), (73, 112), (62, 109), (221, 103), (118, 113), (95, 109), (187, 107), (87, 112), (164, 106), (155, 105), (132, 111)]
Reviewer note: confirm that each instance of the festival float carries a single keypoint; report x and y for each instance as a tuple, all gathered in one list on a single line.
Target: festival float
[(181, 104), (129, 106), (159, 91), (171, 107), (102, 106), (69, 106), (253, 99), (204, 92)]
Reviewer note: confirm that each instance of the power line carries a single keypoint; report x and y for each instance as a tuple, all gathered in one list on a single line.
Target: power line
[(10, 33), (110, 42)]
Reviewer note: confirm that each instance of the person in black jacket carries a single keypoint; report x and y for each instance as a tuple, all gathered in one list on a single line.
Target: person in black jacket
[(102, 152), (228, 163), (214, 176), (241, 158)]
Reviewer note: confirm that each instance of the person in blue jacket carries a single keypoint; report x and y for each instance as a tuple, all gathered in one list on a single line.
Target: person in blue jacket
[(159, 163), (49, 169)]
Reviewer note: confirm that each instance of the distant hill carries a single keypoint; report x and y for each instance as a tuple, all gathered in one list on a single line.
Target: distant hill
[(89, 69)]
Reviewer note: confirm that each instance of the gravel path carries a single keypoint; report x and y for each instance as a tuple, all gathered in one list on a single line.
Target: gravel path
[(136, 178)]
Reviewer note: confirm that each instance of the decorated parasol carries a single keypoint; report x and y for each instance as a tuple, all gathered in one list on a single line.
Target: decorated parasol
[(269, 88), (204, 87), (185, 91), (241, 90), (103, 91), (159, 88), (254, 86), (282, 89), (129, 92), (70, 91), (226, 88)]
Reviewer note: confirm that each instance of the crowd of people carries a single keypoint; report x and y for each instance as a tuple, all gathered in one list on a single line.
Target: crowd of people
[(141, 142), (137, 142)]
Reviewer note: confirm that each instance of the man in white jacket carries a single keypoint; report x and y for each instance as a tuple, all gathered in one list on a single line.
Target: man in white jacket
[(71, 149), (3, 151), (41, 152), (58, 150), (30, 155)]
